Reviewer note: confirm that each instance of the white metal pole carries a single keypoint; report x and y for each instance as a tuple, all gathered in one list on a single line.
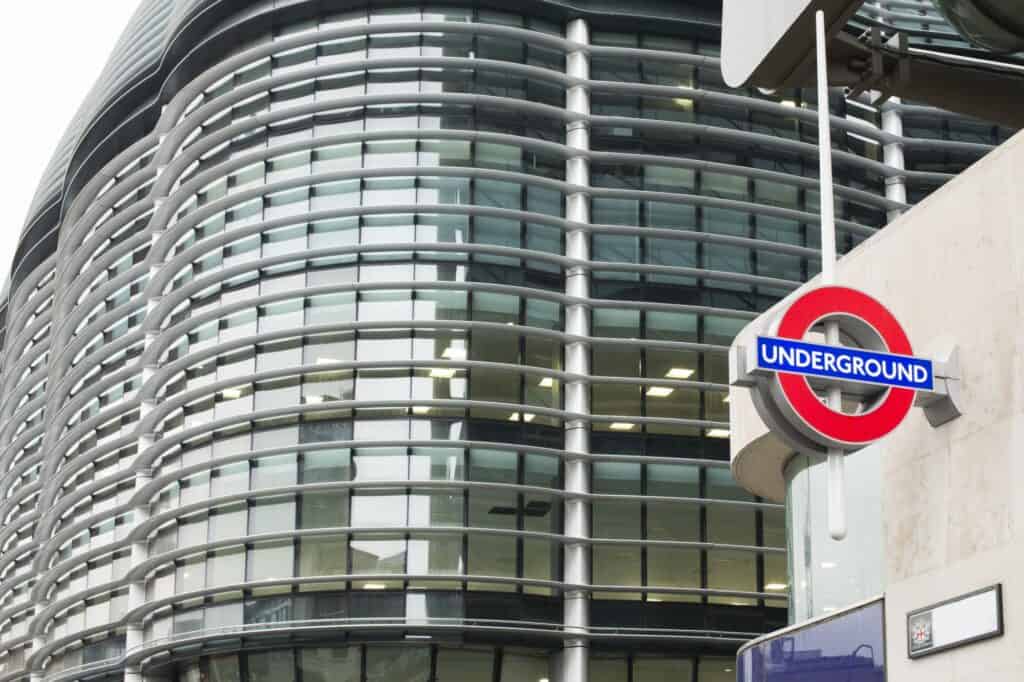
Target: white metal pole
[(828, 208), (576, 551), (836, 473)]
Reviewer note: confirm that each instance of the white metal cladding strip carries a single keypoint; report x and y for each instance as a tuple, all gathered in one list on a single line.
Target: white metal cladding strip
[(18, 316), (140, 571), (702, 129), (430, 626), (29, 290), (12, 422), (143, 494), (154, 448), (168, 303), (54, 609)]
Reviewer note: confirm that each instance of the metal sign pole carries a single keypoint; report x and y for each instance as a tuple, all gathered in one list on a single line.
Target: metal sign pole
[(836, 473)]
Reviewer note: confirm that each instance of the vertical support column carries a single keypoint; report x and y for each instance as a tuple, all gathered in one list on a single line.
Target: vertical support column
[(576, 615), (140, 552), (892, 123), (135, 634), (38, 642), (892, 155)]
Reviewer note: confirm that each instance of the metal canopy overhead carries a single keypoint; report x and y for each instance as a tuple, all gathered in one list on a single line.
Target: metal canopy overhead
[(770, 44)]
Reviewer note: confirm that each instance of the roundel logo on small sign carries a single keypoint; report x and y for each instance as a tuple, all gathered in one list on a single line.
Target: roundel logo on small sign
[(874, 367)]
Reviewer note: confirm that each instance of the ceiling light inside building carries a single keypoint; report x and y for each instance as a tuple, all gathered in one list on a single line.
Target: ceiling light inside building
[(547, 382), (774, 587), (660, 391), (679, 373), (231, 393), (420, 409), (442, 372), (621, 426), (375, 586), (717, 433), (314, 399)]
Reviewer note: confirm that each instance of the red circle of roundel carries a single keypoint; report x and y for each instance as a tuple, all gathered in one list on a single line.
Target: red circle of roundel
[(858, 429)]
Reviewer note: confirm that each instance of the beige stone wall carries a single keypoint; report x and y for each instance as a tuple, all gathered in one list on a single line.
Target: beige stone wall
[(952, 269)]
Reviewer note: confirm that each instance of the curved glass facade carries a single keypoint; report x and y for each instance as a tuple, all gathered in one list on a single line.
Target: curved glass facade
[(394, 346), (826, 575)]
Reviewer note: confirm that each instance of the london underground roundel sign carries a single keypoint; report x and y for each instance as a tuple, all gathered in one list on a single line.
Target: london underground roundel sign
[(874, 368)]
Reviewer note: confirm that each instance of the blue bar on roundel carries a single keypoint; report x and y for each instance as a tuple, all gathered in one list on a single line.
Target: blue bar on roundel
[(844, 363)]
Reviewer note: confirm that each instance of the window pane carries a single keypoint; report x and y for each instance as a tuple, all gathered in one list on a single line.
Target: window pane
[(268, 561), (715, 669), (464, 665), (387, 664), (526, 667), (272, 666), (662, 669), (330, 664), (324, 510), (323, 556)]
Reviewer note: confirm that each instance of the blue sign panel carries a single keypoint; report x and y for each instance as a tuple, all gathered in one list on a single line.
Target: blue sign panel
[(849, 646), (844, 364)]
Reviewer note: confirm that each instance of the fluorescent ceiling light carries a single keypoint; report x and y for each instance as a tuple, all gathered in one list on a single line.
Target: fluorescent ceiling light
[(621, 426), (776, 586), (547, 382), (717, 433), (514, 417), (375, 586), (726, 398), (528, 417), (660, 391), (679, 373), (442, 372), (231, 393), (788, 103), (420, 409), (314, 399)]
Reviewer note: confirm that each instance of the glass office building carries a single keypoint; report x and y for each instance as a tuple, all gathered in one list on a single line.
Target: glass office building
[(387, 341)]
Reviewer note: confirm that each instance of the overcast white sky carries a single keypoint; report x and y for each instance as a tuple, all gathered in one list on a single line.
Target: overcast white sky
[(50, 54)]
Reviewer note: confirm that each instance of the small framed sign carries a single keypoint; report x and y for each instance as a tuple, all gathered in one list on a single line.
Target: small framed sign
[(955, 622)]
